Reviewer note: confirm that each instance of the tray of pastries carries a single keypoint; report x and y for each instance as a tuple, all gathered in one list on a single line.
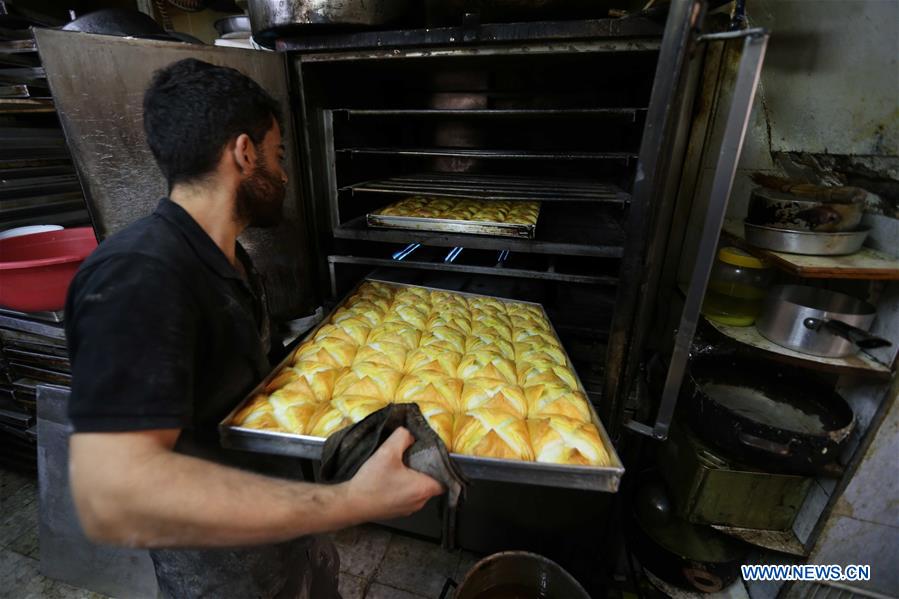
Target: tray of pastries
[(454, 215), (490, 377)]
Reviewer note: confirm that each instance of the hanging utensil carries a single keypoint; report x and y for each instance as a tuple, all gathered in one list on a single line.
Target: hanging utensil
[(817, 322)]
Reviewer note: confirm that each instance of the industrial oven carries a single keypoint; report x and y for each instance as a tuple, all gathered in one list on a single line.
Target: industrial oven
[(587, 117)]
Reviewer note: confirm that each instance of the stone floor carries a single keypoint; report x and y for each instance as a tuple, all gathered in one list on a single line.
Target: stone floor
[(375, 563)]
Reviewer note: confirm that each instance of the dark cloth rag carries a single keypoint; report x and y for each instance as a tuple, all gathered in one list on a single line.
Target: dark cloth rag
[(346, 450)]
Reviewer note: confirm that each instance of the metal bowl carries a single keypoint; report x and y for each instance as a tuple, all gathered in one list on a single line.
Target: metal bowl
[(527, 574), (810, 243)]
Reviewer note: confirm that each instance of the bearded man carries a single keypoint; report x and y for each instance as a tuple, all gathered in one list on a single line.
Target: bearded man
[(167, 330)]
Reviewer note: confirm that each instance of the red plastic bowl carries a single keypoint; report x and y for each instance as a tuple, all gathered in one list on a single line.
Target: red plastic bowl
[(35, 270)]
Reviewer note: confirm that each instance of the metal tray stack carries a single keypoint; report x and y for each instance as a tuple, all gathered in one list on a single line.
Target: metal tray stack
[(597, 478), (32, 352)]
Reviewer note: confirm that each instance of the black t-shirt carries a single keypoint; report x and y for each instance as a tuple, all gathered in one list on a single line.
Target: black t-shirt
[(164, 333)]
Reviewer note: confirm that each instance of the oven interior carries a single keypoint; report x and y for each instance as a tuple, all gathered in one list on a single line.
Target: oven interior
[(561, 128)]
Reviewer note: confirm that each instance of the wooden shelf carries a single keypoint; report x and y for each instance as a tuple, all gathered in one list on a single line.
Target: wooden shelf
[(866, 264), (859, 364)]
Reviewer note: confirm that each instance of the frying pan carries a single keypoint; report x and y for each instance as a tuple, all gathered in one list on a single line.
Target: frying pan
[(766, 415)]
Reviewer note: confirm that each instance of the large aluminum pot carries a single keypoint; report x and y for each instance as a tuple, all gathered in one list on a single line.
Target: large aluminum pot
[(818, 322), (267, 15), (519, 574)]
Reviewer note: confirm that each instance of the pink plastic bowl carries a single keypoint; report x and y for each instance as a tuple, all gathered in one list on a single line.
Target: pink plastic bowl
[(35, 270)]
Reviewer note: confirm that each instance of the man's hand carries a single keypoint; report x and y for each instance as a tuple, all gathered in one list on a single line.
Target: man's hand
[(384, 487)]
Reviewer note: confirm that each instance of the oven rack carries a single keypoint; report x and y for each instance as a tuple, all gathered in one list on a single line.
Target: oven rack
[(493, 187), (494, 112), (567, 233), (548, 274), (485, 154)]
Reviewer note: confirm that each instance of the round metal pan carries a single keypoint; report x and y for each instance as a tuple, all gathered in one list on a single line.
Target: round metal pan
[(766, 415), (809, 243), (817, 322), (777, 209)]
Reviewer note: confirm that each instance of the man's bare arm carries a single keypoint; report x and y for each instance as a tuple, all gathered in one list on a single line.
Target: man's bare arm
[(132, 489)]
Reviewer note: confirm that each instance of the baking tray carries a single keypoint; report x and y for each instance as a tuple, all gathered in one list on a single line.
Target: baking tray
[(448, 225), (595, 478)]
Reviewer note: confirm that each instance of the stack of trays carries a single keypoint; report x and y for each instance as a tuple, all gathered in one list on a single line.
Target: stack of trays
[(489, 375), (452, 215)]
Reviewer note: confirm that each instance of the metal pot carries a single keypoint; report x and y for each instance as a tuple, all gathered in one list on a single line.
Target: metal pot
[(817, 322), (809, 243), (771, 208), (693, 557), (518, 574), (766, 415), (233, 24), (268, 15)]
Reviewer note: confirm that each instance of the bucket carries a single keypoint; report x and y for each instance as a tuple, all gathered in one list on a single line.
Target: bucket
[(518, 575)]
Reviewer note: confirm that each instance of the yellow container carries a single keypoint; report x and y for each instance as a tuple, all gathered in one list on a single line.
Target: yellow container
[(737, 288)]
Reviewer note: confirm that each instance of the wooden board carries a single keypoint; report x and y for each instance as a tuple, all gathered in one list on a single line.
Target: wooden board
[(859, 364), (867, 263)]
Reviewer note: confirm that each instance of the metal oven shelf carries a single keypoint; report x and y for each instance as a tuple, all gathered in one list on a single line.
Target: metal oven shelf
[(493, 271), (567, 233), (493, 112), (480, 154), (493, 187)]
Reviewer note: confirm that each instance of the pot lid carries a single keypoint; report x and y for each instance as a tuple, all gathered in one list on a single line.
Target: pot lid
[(737, 257)]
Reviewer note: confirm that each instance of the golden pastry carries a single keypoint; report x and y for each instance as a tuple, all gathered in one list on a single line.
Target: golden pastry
[(486, 365), (366, 310), (492, 435), (331, 351), (555, 399), (430, 388), (546, 371), (294, 412), (377, 288), (444, 338), (383, 353), (440, 419), (396, 332), (450, 320), (306, 379), (414, 316), (492, 327), (534, 336), (486, 304), (561, 440), (258, 414), (373, 380), (527, 353), (447, 299), (488, 341), (342, 412), (524, 310), (413, 296), (354, 330), (526, 323), (490, 394), (433, 359)]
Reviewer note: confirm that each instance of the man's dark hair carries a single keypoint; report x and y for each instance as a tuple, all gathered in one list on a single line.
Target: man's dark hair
[(192, 109)]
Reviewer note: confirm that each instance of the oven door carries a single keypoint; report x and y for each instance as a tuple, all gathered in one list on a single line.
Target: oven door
[(98, 85)]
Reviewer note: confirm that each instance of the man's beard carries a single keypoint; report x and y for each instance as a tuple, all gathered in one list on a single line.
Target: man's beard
[(260, 198)]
